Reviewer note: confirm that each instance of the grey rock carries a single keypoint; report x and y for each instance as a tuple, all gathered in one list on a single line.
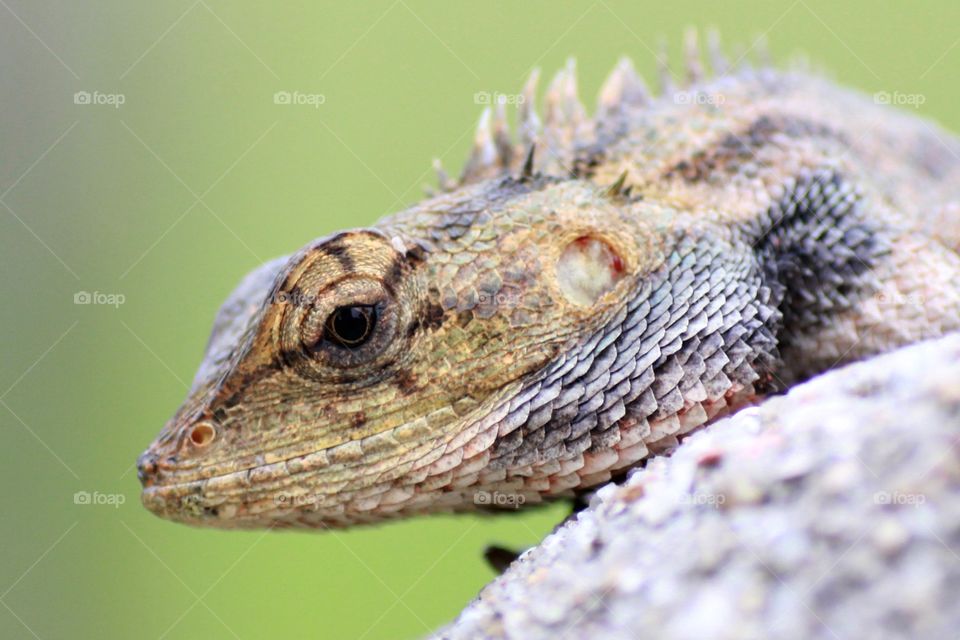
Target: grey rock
[(830, 512)]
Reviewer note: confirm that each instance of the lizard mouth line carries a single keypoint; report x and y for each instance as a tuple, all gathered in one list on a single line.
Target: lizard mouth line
[(258, 480), (276, 480)]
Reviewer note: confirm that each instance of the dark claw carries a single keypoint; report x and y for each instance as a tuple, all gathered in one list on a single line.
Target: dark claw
[(499, 558)]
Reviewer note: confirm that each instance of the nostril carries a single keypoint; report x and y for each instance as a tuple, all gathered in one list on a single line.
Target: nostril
[(146, 468), (202, 434)]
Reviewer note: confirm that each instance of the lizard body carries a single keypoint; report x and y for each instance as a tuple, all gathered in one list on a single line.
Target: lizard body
[(578, 300)]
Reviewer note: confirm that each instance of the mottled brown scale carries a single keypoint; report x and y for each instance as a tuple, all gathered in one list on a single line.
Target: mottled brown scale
[(581, 298), (407, 382), (742, 146)]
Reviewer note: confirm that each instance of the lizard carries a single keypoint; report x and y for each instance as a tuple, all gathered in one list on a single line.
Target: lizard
[(590, 290)]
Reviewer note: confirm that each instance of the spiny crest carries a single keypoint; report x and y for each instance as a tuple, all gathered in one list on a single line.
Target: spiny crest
[(619, 189), (567, 129)]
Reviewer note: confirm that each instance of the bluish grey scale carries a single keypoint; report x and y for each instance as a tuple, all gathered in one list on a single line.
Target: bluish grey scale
[(653, 359)]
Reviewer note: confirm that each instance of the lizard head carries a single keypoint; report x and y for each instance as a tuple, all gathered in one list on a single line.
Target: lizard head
[(371, 373)]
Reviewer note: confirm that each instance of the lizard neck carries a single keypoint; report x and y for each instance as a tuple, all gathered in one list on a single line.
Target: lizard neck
[(694, 339), (704, 333)]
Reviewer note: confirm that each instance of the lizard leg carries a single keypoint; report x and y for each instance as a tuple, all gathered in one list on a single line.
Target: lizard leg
[(499, 558)]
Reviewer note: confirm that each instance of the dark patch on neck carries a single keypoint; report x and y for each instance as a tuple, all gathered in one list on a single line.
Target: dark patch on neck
[(818, 250), (736, 148)]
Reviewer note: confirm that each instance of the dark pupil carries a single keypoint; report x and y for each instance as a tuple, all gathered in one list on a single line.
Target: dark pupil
[(351, 326)]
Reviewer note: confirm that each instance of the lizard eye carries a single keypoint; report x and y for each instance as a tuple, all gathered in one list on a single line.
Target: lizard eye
[(351, 326), (341, 306)]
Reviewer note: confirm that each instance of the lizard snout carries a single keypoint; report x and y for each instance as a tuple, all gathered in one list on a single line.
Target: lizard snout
[(146, 468)]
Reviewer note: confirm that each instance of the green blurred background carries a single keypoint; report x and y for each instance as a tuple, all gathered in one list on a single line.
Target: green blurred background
[(197, 178)]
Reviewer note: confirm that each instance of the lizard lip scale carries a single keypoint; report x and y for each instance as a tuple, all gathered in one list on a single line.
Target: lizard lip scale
[(581, 298)]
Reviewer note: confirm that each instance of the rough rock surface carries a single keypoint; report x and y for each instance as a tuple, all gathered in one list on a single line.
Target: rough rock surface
[(830, 512)]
